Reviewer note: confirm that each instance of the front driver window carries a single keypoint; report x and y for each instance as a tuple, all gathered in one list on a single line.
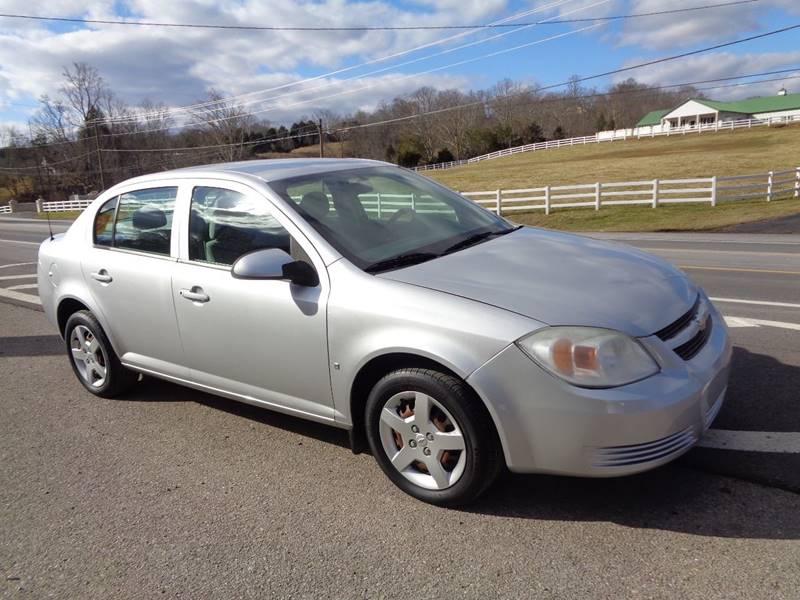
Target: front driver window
[(224, 225)]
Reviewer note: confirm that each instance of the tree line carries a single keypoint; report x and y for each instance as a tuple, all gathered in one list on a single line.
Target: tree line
[(84, 138)]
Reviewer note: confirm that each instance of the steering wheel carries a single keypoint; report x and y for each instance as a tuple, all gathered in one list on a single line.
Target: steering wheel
[(406, 210)]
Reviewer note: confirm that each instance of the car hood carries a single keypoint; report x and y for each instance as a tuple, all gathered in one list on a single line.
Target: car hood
[(562, 279)]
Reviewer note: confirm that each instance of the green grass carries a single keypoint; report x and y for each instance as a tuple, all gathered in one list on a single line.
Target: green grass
[(63, 214), (675, 217), (741, 152)]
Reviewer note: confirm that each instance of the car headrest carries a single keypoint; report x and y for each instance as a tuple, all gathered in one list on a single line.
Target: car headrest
[(149, 217), (315, 204)]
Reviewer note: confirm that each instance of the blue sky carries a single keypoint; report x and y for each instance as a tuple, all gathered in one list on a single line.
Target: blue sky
[(178, 67)]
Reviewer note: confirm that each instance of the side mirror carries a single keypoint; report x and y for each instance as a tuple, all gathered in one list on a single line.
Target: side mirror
[(274, 263)]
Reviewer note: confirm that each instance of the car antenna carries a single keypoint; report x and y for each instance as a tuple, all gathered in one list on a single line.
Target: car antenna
[(49, 226)]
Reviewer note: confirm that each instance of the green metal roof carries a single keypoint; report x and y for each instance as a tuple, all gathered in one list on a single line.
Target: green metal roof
[(653, 118), (746, 107), (756, 105)]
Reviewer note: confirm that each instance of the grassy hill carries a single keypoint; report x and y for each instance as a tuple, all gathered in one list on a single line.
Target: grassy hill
[(740, 152)]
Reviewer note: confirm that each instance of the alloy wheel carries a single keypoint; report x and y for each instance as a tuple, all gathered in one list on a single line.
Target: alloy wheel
[(422, 440), (88, 355)]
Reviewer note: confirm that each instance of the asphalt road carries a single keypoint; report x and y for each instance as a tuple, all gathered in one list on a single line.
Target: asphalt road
[(175, 493)]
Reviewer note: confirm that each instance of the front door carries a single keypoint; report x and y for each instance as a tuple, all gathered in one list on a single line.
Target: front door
[(263, 341)]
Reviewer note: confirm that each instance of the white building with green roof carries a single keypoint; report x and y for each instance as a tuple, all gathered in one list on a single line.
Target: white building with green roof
[(702, 112)]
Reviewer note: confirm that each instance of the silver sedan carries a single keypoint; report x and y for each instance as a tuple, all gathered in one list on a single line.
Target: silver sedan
[(354, 293)]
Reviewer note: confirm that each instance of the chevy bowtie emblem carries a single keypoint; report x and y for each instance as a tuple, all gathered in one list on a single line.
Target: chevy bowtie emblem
[(701, 323)]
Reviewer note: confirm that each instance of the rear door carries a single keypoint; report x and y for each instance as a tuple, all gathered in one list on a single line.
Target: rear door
[(128, 269), (264, 341)]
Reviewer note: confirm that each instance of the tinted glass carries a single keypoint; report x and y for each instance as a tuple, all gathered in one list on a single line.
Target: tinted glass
[(104, 223), (144, 220), (224, 224), (378, 213)]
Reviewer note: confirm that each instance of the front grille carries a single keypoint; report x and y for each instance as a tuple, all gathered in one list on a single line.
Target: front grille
[(673, 329), (688, 334), (688, 350), (636, 454)]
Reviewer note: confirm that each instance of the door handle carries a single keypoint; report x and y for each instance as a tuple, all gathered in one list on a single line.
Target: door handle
[(102, 276), (196, 294)]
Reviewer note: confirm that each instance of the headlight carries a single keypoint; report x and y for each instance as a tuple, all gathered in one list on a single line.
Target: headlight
[(589, 356)]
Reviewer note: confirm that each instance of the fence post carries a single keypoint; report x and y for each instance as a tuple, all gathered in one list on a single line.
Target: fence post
[(797, 182), (547, 196), (655, 193), (12, 205), (597, 195), (379, 206), (769, 185), (499, 196), (39, 207), (714, 190), (413, 202)]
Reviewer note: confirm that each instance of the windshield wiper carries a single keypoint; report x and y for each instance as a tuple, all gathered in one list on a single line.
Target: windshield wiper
[(478, 237), (401, 260)]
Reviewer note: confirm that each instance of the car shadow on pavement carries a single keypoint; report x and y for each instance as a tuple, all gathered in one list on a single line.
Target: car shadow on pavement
[(151, 389), (671, 498)]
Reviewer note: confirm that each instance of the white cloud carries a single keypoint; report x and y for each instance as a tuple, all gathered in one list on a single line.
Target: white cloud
[(692, 28), (726, 64), (178, 66)]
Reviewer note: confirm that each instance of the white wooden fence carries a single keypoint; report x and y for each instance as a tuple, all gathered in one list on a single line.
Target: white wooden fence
[(5, 209), (620, 135), (65, 205), (654, 192)]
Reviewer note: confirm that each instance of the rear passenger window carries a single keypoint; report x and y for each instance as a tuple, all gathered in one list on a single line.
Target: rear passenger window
[(144, 220), (104, 223), (224, 225)]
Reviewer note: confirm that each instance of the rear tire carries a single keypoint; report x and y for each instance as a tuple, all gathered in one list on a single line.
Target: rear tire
[(93, 360), (432, 436)]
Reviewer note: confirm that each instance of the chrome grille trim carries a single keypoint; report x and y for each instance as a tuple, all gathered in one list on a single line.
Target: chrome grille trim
[(674, 328), (635, 454), (687, 335)]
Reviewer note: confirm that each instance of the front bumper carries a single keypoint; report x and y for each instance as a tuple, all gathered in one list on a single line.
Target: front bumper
[(549, 426)]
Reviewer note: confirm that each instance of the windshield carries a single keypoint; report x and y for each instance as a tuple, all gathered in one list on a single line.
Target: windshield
[(386, 217)]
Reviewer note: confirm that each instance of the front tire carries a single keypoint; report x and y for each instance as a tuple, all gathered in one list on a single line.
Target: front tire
[(93, 360), (432, 436)]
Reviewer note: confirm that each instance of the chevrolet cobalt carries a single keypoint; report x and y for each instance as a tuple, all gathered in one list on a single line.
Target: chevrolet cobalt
[(449, 341)]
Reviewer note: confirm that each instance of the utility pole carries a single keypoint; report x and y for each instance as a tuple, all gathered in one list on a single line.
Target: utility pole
[(321, 140), (99, 158)]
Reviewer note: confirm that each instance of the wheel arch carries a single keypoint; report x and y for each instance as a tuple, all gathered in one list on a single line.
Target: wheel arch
[(374, 369)]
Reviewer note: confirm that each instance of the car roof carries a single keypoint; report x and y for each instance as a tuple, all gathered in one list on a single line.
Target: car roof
[(266, 170)]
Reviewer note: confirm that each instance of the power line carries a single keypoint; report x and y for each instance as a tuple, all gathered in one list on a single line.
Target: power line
[(552, 86), (482, 102), (200, 105), (206, 149), (365, 27), (590, 77)]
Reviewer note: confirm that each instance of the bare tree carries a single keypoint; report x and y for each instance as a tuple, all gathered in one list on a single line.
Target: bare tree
[(224, 124)]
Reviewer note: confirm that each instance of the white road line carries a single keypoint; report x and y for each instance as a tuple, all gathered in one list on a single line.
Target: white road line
[(16, 265), (21, 242), (748, 322), (24, 286), (757, 302), (712, 251), (4, 293), (9, 277), (752, 441)]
